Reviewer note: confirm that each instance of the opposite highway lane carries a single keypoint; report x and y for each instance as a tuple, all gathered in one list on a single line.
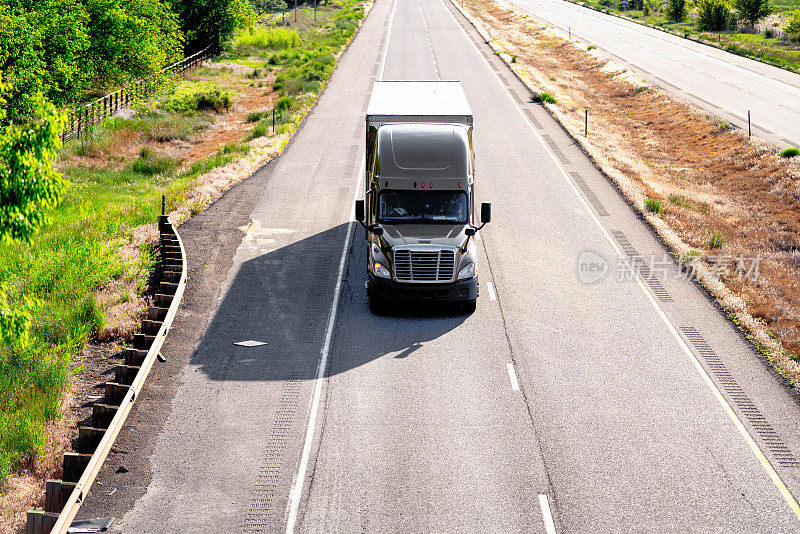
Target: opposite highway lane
[(722, 83), (420, 427)]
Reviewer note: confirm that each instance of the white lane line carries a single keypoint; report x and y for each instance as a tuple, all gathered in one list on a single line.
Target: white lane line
[(296, 493), (512, 374), (490, 287), (388, 40), (547, 516), (755, 449)]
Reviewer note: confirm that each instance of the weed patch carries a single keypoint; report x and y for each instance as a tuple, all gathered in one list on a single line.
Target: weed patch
[(653, 206)]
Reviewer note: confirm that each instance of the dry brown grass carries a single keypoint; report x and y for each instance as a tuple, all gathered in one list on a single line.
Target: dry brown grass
[(708, 177)]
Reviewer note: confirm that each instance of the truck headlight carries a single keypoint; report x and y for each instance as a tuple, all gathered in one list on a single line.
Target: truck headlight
[(380, 271), (467, 272)]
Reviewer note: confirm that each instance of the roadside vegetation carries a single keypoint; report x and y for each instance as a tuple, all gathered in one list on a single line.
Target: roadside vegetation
[(80, 285), (767, 30), (726, 205)]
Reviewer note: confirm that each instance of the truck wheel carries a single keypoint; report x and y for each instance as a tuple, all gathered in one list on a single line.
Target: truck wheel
[(469, 307)]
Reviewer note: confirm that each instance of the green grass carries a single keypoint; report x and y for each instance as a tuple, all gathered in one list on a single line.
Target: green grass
[(61, 270), (790, 153), (151, 164)]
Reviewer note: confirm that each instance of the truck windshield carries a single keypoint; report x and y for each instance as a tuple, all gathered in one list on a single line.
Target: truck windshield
[(418, 206)]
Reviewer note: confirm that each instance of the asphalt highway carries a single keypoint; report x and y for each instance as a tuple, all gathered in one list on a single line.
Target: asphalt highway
[(562, 404), (722, 83)]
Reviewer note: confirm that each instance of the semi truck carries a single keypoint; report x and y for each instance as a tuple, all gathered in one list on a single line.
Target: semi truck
[(418, 208)]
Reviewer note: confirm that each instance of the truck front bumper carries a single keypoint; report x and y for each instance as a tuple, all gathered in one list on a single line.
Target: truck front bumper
[(464, 291)]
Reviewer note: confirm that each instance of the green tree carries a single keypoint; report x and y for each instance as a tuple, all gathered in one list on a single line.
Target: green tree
[(61, 48), (712, 15), (42, 50), (752, 11), (29, 186), (675, 10), (131, 37), (211, 22)]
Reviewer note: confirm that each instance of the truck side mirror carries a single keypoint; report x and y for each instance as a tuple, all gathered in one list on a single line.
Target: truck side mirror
[(360, 210), (486, 212)]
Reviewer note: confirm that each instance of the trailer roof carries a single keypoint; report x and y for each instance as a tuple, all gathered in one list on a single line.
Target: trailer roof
[(418, 98)]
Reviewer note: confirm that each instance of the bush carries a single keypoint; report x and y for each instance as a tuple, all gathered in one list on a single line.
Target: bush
[(713, 15), (260, 130), (790, 153), (676, 11), (255, 116), (653, 206), (543, 97), (198, 99), (792, 27), (284, 103)]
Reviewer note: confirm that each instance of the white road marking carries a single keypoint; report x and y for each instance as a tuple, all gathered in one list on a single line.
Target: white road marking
[(512, 374), (773, 475), (250, 343), (388, 40), (296, 493), (490, 287), (547, 516)]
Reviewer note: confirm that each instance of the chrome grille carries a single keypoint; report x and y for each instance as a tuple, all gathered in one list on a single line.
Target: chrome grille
[(424, 265)]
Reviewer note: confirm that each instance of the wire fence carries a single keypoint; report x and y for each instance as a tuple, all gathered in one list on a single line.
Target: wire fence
[(82, 118)]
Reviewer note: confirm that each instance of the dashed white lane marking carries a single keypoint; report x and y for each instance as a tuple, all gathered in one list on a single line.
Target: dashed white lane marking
[(547, 516), (512, 375), (388, 40), (490, 288)]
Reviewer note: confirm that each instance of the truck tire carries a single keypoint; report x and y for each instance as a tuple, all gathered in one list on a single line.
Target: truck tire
[(470, 306)]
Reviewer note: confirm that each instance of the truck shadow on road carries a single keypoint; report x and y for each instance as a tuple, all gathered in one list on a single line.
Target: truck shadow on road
[(283, 298)]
